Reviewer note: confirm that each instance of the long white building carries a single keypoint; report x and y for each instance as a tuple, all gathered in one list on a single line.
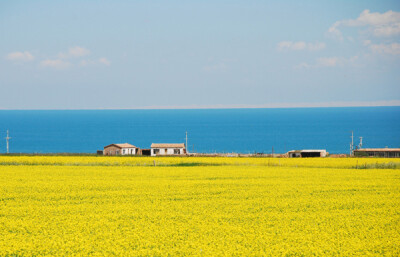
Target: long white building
[(168, 149), (307, 153)]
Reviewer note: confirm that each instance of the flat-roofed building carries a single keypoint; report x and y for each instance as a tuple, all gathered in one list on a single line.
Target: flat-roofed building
[(378, 152), (168, 149), (306, 153), (120, 149)]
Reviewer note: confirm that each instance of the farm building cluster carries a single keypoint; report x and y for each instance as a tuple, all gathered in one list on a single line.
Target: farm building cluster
[(155, 149), (164, 149), (360, 152)]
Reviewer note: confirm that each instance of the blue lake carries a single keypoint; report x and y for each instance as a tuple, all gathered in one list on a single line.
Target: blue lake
[(211, 130)]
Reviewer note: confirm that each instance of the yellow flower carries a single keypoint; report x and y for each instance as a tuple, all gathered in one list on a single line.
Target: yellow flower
[(124, 206)]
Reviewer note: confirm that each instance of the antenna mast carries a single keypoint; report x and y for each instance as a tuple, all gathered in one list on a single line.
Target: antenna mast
[(360, 145), (7, 139), (187, 147), (352, 143)]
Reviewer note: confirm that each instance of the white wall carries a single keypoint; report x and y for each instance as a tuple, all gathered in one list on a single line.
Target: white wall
[(170, 151), (128, 151)]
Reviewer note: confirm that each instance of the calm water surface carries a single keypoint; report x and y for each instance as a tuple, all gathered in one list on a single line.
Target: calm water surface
[(214, 130)]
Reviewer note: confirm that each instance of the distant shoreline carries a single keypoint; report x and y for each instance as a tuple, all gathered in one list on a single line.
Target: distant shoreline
[(392, 103)]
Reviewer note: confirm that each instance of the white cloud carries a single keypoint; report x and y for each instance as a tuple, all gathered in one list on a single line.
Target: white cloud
[(289, 45), (328, 62), (316, 46), (392, 49), (20, 56), (376, 19), (334, 32), (303, 65), (380, 24), (215, 67), (57, 64), (84, 63), (78, 51), (75, 56), (104, 61), (300, 45), (367, 42), (322, 62), (387, 31), (74, 52)]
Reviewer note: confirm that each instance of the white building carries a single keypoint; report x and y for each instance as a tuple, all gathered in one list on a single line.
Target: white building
[(378, 152), (168, 149), (120, 149), (306, 153)]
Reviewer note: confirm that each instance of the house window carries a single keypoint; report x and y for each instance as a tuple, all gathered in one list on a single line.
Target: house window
[(156, 151), (177, 151), (166, 150), (123, 151)]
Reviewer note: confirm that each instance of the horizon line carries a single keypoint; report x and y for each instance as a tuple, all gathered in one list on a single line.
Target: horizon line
[(390, 103)]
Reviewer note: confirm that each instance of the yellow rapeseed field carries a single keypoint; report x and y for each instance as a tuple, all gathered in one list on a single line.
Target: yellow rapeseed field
[(105, 206), (181, 161)]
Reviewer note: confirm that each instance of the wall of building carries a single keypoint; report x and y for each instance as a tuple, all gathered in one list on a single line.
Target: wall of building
[(113, 150), (383, 154), (128, 151), (306, 154), (166, 151), (323, 154)]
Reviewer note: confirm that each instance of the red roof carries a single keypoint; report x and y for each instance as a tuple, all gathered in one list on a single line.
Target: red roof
[(124, 145)]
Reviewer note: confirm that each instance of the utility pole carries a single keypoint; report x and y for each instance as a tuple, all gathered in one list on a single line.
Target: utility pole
[(7, 139), (360, 145), (187, 147), (352, 143)]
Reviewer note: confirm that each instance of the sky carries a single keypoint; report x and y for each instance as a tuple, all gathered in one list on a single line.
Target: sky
[(198, 54)]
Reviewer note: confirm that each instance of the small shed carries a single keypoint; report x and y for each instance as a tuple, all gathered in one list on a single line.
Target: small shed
[(306, 153), (120, 149), (168, 149), (145, 152), (378, 152)]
